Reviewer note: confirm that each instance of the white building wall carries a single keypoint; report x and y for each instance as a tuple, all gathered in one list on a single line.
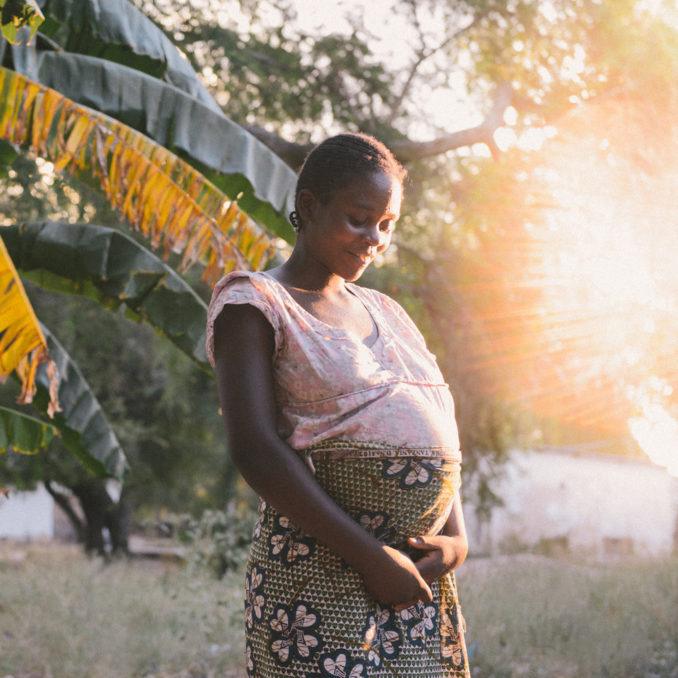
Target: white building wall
[(585, 499), (27, 515)]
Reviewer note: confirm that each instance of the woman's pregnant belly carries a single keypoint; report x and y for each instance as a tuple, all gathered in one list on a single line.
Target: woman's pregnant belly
[(394, 497)]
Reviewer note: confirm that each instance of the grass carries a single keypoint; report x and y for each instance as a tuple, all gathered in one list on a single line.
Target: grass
[(63, 615), (534, 616)]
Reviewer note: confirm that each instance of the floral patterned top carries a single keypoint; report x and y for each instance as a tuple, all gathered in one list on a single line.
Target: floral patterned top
[(330, 385)]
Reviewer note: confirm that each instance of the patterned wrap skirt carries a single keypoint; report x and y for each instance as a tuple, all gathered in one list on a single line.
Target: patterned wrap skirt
[(307, 613)]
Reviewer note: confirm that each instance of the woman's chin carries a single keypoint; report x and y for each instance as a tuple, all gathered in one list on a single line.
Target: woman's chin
[(352, 277)]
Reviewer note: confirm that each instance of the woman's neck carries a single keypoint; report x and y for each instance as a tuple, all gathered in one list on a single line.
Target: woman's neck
[(306, 274)]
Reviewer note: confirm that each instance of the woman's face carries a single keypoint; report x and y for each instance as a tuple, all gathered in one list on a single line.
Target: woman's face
[(346, 233)]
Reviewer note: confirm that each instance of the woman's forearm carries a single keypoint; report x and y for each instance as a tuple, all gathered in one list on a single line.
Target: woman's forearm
[(277, 473)]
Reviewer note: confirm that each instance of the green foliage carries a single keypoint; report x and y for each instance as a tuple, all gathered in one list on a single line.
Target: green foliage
[(163, 409), (116, 31), (279, 74), (15, 14), (23, 434), (110, 267), (30, 191), (218, 540), (223, 152), (84, 428), (465, 214), (7, 154)]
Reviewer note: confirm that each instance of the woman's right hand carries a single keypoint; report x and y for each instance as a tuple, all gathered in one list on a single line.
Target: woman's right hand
[(393, 579)]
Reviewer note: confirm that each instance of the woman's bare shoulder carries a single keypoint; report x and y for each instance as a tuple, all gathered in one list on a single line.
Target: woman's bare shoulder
[(246, 288)]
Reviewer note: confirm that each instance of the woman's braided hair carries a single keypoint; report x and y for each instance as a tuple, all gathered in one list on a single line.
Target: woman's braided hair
[(337, 161)]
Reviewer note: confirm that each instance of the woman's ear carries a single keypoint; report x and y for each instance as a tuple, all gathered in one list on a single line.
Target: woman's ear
[(307, 205)]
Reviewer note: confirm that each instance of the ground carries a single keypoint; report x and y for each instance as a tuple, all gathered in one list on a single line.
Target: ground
[(64, 615)]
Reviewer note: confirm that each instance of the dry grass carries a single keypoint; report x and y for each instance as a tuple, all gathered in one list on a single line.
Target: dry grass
[(534, 616), (65, 616)]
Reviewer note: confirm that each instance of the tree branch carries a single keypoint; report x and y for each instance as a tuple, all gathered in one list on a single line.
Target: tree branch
[(405, 150), (423, 54), (408, 151), (289, 151)]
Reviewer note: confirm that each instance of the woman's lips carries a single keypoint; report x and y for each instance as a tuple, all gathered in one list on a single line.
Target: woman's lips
[(364, 258)]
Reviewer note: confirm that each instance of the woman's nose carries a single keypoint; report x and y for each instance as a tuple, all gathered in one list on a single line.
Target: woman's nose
[(372, 235)]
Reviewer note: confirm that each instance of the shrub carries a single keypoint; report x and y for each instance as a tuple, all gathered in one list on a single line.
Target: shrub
[(218, 541)]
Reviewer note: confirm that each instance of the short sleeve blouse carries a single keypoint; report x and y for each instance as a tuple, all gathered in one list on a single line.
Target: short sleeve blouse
[(330, 385)]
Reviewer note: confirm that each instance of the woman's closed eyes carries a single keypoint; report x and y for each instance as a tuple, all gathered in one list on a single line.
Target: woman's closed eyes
[(386, 225)]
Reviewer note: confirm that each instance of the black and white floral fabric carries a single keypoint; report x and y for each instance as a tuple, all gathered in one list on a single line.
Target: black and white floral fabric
[(307, 614)]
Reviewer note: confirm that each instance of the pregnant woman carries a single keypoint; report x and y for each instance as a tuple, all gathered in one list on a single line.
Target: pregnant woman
[(338, 416)]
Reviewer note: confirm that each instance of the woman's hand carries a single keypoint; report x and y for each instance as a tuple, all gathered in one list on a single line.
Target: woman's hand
[(393, 579), (443, 554)]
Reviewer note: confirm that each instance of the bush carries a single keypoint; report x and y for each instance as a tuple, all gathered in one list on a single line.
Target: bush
[(218, 541)]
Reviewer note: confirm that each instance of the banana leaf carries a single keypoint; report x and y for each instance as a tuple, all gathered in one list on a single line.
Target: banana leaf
[(7, 156), (229, 156), (85, 431), (113, 269), (17, 14), (117, 31), (23, 346), (171, 204), (23, 434)]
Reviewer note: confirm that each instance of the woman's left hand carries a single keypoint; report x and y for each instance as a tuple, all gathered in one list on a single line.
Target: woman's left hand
[(443, 554)]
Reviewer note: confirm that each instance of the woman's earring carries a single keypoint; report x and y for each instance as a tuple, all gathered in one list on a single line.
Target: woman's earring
[(294, 220)]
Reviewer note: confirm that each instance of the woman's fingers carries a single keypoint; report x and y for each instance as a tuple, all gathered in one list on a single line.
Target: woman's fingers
[(428, 597), (425, 542), (430, 568), (443, 554)]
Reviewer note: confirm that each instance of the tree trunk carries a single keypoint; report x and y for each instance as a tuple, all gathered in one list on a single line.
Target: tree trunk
[(102, 512), (65, 505), (119, 523)]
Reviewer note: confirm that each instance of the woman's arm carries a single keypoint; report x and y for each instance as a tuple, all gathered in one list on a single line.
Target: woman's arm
[(244, 344)]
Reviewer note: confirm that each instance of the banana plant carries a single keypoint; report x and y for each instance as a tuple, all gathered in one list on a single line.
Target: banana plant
[(109, 99), (116, 33), (115, 30), (22, 433), (161, 196), (17, 14), (81, 421), (23, 346), (227, 155), (29, 349), (111, 268)]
